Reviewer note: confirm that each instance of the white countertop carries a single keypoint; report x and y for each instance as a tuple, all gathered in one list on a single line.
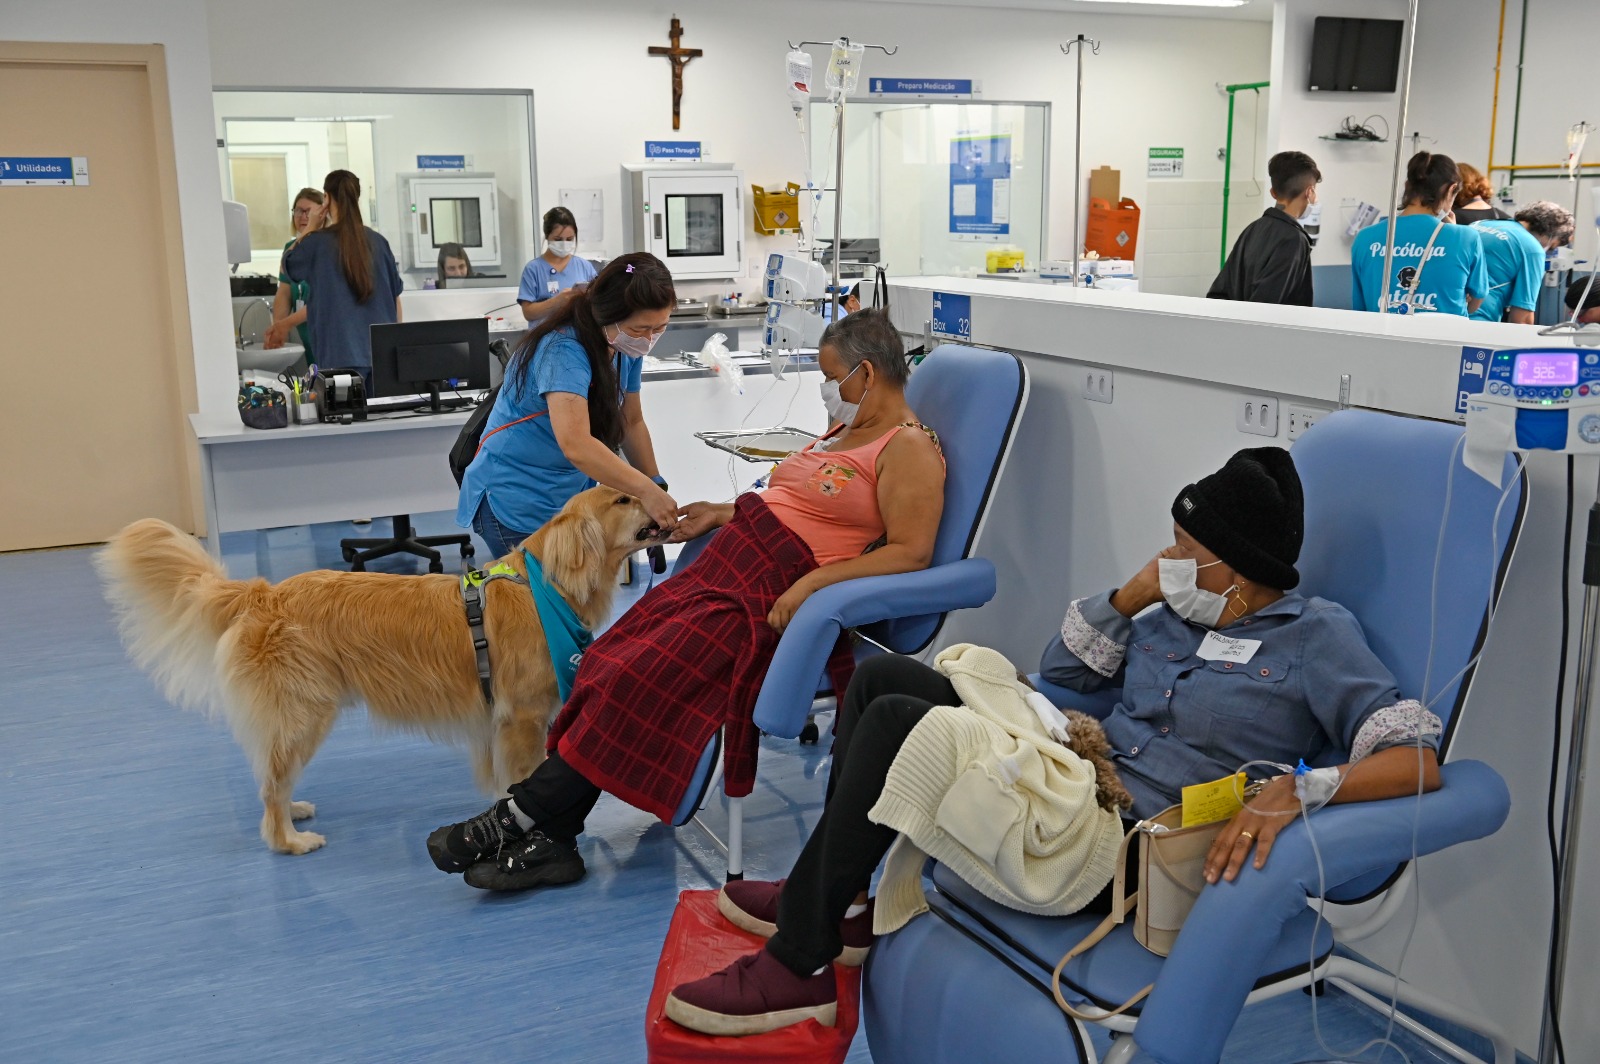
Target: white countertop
[(211, 430)]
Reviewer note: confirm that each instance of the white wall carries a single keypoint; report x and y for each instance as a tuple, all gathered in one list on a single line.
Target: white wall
[(179, 26), (598, 95)]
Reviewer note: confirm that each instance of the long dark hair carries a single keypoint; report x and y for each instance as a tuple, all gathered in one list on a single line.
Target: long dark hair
[(355, 257), (1428, 176), (628, 284)]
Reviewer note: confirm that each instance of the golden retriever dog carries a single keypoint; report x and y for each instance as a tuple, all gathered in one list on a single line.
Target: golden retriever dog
[(280, 661)]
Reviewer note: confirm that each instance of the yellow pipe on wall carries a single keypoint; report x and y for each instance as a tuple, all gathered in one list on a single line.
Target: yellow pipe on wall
[(1494, 108), (1545, 166)]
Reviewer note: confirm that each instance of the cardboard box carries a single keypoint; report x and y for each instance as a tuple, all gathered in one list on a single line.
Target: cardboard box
[(1105, 183)]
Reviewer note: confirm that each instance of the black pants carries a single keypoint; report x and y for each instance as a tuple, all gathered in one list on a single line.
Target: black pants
[(885, 700), (558, 797)]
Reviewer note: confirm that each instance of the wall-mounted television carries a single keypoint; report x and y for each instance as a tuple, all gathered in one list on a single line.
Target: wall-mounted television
[(1355, 54)]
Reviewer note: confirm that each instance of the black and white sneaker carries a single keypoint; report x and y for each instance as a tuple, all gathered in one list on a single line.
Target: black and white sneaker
[(457, 847), (536, 860)]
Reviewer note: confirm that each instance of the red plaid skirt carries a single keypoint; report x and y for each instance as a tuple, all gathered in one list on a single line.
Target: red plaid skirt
[(688, 658)]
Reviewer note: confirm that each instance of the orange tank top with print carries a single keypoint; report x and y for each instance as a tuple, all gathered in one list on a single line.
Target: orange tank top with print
[(830, 498)]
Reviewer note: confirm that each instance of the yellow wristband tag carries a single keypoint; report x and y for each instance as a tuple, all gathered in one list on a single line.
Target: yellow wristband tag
[(1207, 803)]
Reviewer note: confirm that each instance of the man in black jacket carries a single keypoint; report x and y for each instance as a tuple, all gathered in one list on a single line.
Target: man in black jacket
[(1271, 262)]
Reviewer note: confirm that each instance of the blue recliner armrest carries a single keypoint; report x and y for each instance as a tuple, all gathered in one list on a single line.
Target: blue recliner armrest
[(803, 651), (1233, 926), (1098, 704)]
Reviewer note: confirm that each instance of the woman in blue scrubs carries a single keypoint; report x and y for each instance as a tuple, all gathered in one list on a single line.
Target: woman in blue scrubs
[(569, 402), (1453, 280), (549, 280)]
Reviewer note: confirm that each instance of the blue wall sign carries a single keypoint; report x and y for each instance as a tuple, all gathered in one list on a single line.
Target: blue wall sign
[(672, 149), (921, 87), (980, 186), (1474, 368), (441, 162), (952, 316), (36, 170)]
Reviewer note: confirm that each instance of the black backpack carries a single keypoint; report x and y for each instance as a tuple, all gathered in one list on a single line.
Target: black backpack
[(465, 449)]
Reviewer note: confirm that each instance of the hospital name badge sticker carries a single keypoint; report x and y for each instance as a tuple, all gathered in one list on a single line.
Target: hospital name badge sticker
[(1217, 647)]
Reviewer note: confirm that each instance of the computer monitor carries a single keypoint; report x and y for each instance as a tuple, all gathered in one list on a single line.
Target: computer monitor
[(416, 357)]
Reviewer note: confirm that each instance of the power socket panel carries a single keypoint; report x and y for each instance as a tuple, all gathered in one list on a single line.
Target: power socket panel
[(1300, 418), (1256, 414), (1099, 385)]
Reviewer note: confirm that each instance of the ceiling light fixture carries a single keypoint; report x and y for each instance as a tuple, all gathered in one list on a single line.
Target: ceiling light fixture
[(1175, 3)]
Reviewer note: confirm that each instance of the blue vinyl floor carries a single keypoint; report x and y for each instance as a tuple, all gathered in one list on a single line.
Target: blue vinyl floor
[(142, 920)]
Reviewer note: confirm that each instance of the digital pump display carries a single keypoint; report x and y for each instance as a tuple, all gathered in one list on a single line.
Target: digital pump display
[(1546, 370)]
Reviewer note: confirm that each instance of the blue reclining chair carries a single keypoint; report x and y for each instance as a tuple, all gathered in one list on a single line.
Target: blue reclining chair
[(973, 398), (1375, 492)]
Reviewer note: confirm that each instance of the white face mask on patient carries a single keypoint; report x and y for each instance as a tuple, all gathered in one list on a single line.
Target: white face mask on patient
[(1188, 600), (840, 411)]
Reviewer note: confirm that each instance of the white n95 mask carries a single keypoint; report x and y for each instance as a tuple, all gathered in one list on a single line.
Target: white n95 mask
[(840, 411), (564, 248), (1187, 600)]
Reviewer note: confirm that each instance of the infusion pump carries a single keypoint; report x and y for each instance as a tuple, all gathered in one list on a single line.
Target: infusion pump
[(1553, 395)]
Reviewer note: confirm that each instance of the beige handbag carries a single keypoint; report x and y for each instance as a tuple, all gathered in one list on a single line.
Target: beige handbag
[(1172, 861)]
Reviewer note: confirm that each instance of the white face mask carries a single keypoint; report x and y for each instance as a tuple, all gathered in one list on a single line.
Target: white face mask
[(840, 411), (1187, 600), (562, 248), (636, 346)]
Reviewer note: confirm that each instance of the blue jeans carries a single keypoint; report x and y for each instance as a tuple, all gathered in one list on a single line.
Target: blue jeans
[(497, 537)]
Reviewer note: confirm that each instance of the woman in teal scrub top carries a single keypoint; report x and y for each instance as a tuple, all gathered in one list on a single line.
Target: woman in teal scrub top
[(569, 402), (1453, 280), (549, 280)]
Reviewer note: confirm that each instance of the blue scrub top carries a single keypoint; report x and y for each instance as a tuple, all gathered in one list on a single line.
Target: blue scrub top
[(540, 280), (341, 327), (1455, 272), (522, 470), (1515, 262)]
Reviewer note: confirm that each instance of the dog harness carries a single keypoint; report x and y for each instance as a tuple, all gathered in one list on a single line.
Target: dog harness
[(564, 634), (472, 597)]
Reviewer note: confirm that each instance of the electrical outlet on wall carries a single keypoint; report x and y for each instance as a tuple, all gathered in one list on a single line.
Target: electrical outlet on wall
[(1256, 414), (1301, 418), (1098, 384)]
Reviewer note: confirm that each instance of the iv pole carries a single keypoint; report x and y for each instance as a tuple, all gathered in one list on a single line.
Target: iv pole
[(1399, 152), (1077, 153), (838, 167)]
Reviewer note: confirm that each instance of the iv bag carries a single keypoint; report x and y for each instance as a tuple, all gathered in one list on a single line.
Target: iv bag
[(1577, 135), (797, 65), (844, 67)]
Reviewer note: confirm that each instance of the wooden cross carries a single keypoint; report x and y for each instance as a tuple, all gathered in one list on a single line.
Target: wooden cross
[(679, 58)]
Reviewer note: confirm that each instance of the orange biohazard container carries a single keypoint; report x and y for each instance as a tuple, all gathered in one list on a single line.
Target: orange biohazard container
[(1113, 231)]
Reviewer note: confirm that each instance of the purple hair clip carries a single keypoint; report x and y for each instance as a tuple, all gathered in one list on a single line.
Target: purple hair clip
[(629, 269)]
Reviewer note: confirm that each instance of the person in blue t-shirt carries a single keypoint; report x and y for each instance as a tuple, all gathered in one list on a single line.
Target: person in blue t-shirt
[(549, 280), (1514, 254), (1452, 280), (570, 400)]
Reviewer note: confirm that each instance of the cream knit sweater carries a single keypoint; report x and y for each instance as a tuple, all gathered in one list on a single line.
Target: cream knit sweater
[(985, 790)]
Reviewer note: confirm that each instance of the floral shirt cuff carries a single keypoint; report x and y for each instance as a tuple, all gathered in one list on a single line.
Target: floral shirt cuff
[(1091, 646), (1402, 723)]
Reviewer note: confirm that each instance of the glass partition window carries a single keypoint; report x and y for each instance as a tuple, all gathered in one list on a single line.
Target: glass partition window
[(694, 225), (937, 184), (273, 143)]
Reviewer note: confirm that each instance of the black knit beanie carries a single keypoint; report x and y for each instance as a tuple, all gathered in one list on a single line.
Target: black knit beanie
[(1251, 514)]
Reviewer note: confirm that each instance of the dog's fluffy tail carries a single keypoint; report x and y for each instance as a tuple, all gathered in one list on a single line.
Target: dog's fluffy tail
[(173, 603)]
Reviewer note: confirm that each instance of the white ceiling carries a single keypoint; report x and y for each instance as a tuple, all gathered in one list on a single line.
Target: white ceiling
[(1253, 11)]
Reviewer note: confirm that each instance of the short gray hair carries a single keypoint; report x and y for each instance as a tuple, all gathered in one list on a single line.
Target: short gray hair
[(869, 336), (1548, 221)]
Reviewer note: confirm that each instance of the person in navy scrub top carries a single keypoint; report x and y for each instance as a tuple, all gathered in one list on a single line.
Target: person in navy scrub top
[(570, 401), (551, 279)]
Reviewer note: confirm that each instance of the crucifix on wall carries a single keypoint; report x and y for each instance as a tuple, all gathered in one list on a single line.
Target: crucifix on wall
[(679, 57)]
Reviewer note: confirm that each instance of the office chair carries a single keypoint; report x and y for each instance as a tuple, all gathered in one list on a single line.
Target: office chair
[(358, 552), (1370, 545)]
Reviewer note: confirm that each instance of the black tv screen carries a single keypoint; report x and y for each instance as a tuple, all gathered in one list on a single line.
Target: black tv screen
[(1355, 54)]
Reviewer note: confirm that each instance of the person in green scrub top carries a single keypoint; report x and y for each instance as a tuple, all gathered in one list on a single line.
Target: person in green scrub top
[(549, 280), (289, 305)]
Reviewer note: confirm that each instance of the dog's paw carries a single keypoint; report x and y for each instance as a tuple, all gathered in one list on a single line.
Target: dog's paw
[(302, 810), (298, 842)]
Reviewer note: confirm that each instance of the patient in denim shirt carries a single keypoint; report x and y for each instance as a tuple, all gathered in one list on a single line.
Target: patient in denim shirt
[(1241, 670)]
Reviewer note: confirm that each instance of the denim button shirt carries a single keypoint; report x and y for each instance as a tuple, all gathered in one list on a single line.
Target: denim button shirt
[(1307, 692)]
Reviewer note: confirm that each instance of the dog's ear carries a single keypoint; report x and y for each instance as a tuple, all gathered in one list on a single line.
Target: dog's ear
[(575, 552)]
